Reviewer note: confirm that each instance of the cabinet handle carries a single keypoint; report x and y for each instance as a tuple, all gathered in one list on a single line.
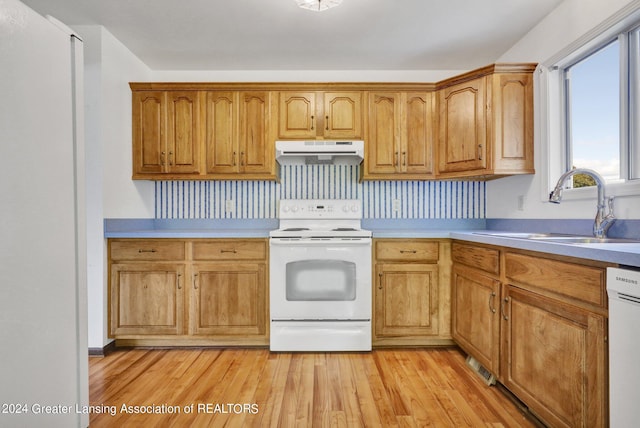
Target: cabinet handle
[(404, 158), (408, 251), (195, 281), (504, 315), (241, 158), (146, 251), (396, 159), (228, 251), (326, 118), (479, 151), (171, 158), (162, 155), (312, 119), (380, 283), (179, 277), (491, 298), (234, 158)]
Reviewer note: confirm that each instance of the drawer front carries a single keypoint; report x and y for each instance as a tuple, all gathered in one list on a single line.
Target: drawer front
[(486, 259), (585, 283), (407, 250), (147, 249), (230, 249)]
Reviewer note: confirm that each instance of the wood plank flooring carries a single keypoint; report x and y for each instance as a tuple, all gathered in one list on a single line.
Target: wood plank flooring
[(256, 388)]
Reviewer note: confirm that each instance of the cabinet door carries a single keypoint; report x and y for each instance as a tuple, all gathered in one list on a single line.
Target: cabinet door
[(463, 127), (384, 133), (476, 321), (406, 300), (512, 133), (297, 115), (342, 115), (554, 359), (256, 142), (229, 299), (416, 156), (183, 132), (149, 139), (147, 299), (221, 138)]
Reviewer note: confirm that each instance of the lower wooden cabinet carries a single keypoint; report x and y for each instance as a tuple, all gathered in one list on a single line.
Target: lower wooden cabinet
[(538, 322), (411, 292), (147, 298), (228, 299), (188, 292), (475, 319)]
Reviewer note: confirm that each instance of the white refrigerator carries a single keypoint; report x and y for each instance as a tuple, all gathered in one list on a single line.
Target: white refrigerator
[(43, 339)]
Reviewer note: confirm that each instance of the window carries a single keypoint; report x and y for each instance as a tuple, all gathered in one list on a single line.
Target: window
[(602, 104)]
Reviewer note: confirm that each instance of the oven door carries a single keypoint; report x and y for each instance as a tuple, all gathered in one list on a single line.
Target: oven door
[(320, 279)]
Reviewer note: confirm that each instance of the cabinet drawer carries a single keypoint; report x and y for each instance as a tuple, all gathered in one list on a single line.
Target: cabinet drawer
[(231, 249), (407, 250), (147, 249), (585, 283), (486, 259)]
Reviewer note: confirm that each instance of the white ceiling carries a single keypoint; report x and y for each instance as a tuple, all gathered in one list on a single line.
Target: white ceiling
[(277, 35)]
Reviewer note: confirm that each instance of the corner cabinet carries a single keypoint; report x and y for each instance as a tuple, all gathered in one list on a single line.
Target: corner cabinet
[(411, 293), (171, 292), (486, 123), (538, 322), (324, 115)]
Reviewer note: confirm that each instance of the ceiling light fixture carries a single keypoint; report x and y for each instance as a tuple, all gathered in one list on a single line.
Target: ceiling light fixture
[(318, 5)]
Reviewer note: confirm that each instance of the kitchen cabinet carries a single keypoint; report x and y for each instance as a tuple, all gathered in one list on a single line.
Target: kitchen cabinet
[(166, 134), (320, 115), (239, 139), (399, 143), (146, 288), (475, 302), (229, 288), (486, 123), (537, 322), (411, 296), (175, 292)]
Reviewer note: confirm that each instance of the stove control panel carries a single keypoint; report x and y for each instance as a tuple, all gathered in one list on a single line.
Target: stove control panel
[(320, 208)]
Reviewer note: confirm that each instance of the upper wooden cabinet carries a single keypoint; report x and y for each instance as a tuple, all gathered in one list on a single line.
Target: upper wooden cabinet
[(476, 125), (399, 142), (181, 132), (166, 133), (486, 123), (238, 137), (323, 115)]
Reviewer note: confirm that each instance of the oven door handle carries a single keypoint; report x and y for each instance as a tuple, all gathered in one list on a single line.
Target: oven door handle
[(321, 242)]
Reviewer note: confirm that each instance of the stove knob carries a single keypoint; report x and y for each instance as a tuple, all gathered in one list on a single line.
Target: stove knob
[(345, 208), (354, 208), (285, 208), (294, 209)]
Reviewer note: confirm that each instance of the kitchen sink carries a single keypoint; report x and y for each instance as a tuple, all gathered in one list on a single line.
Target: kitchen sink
[(559, 238)]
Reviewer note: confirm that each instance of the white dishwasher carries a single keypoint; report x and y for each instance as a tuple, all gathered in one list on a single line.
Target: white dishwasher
[(623, 288)]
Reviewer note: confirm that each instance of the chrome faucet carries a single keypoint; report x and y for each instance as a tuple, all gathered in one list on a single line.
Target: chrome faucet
[(603, 220)]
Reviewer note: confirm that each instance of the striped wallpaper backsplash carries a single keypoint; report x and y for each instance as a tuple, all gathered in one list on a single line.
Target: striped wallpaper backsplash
[(380, 199)]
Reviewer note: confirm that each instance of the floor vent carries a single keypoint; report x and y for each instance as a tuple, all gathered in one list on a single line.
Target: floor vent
[(485, 374)]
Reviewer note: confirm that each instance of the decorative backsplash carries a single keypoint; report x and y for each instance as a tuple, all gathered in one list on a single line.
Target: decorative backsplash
[(380, 199)]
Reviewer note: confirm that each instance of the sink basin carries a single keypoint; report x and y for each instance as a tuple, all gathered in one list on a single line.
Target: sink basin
[(559, 238)]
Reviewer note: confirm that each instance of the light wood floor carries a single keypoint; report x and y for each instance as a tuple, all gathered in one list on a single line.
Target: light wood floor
[(256, 388)]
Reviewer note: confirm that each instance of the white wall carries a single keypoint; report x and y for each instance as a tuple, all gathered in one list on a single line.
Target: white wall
[(109, 66), (568, 27)]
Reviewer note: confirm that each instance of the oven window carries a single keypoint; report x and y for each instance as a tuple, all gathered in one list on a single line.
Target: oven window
[(333, 280)]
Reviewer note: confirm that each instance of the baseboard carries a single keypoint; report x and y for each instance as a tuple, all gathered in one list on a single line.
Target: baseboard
[(104, 351)]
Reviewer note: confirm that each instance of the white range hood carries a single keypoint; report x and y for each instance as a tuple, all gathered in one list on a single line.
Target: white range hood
[(320, 152)]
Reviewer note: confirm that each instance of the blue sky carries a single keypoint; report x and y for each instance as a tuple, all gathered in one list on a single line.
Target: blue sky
[(595, 88)]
